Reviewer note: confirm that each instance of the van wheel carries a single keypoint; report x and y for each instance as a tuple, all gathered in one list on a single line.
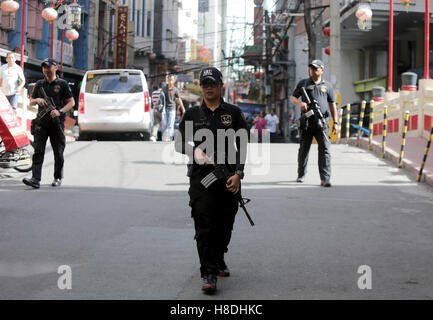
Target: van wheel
[(144, 136)]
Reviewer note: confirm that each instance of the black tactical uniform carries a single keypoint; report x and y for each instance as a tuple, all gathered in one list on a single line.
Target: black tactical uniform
[(48, 127), (323, 94), (213, 209)]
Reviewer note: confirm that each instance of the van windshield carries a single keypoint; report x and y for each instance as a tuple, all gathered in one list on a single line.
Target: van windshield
[(114, 83)]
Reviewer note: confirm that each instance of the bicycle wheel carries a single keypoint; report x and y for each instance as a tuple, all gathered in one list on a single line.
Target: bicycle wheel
[(25, 159)]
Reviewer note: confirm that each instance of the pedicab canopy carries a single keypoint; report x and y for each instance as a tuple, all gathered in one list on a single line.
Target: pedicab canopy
[(11, 132)]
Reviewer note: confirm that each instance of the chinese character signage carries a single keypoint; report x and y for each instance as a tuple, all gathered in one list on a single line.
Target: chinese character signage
[(68, 52), (121, 37)]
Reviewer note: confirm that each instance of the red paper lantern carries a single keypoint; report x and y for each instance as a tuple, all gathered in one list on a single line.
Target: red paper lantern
[(72, 34), (196, 82), (257, 75), (327, 31), (49, 14), (328, 50), (10, 6)]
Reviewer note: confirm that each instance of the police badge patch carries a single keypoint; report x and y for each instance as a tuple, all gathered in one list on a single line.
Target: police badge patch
[(226, 119), (57, 88), (324, 88)]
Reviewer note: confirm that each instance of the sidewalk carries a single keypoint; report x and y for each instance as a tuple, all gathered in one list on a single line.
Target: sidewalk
[(413, 154)]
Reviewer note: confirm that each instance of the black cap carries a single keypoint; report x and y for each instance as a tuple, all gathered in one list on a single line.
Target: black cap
[(317, 64), (212, 74), (49, 62)]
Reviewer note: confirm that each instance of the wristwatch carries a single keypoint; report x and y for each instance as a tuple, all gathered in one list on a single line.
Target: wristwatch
[(240, 173), (62, 113)]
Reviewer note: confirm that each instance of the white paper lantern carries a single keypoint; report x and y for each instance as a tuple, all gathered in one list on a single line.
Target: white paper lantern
[(49, 14), (72, 34), (10, 6), (364, 12)]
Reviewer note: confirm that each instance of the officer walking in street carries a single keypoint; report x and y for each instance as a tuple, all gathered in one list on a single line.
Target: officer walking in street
[(213, 209), (51, 125), (321, 91)]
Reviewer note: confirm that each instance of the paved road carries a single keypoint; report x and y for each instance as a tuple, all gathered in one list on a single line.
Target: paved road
[(121, 221)]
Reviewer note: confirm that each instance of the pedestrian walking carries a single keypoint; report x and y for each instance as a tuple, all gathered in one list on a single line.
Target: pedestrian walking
[(213, 209), (12, 79), (320, 90), (261, 124), (273, 124), (172, 98), (158, 109), (49, 124)]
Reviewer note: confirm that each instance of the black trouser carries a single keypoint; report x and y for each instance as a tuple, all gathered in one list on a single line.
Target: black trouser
[(213, 211), (58, 142), (322, 137)]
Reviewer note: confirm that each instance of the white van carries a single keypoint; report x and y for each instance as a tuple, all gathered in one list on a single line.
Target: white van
[(114, 101)]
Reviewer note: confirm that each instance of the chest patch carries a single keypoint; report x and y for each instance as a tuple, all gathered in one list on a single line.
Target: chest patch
[(57, 88), (226, 119), (324, 88)]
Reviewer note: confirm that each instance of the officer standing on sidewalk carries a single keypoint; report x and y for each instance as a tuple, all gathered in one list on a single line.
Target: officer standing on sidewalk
[(321, 91), (213, 209), (49, 126)]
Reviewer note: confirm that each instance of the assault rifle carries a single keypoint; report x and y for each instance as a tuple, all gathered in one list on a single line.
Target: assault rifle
[(50, 106), (222, 172), (314, 114)]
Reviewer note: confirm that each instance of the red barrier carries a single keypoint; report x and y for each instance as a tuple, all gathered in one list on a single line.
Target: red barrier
[(11, 132), (409, 88)]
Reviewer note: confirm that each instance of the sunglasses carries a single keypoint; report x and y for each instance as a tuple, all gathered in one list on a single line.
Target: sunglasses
[(212, 85)]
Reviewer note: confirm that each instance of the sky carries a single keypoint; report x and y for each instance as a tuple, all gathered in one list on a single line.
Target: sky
[(239, 11)]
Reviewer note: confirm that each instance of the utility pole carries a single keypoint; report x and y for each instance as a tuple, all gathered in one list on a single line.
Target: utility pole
[(268, 63), (335, 46)]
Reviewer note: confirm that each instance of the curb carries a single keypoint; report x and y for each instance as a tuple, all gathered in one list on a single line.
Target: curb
[(394, 156)]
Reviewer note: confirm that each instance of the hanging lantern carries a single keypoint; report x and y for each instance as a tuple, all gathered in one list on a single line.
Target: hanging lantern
[(406, 4), (72, 34), (328, 50), (10, 6), (152, 56), (327, 31), (257, 75), (49, 14), (364, 12)]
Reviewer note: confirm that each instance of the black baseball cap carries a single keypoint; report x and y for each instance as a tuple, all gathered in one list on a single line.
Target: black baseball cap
[(49, 62), (317, 64), (212, 74)]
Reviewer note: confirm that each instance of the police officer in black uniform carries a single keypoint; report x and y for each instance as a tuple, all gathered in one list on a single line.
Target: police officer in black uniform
[(51, 125), (213, 209), (321, 91)]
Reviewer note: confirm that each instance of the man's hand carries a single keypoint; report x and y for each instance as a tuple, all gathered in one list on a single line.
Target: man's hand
[(55, 113), (335, 128), (304, 106), (233, 183), (202, 158), (41, 102)]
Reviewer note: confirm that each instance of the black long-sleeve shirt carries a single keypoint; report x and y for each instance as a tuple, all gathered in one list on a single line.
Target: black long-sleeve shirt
[(221, 134)]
